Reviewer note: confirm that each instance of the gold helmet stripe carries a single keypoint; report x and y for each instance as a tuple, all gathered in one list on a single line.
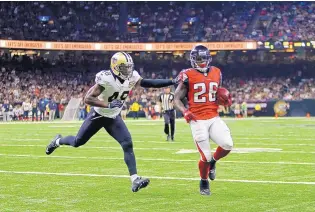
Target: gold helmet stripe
[(128, 58)]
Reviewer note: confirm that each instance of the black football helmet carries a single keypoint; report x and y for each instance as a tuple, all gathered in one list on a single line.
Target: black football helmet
[(200, 58)]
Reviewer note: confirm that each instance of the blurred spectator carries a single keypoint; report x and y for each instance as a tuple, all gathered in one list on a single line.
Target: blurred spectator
[(42, 108), (82, 110), (52, 109), (135, 108), (61, 108), (5, 110), (27, 107), (35, 109)]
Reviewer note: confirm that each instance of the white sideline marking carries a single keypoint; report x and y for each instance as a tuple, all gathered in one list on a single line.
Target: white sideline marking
[(136, 148), (264, 144), (154, 159), (273, 138), (63, 126), (272, 119), (154, 177)]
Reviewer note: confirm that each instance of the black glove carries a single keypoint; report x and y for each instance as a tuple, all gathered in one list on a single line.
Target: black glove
[(115, 103)]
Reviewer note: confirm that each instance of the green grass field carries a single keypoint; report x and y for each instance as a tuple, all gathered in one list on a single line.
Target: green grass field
[(271, 169)]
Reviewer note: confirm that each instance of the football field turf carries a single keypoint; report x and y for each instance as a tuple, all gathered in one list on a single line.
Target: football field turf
[(272, 168)]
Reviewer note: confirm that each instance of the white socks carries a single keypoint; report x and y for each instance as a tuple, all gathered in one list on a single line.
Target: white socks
[(57, 142), (133, 177)]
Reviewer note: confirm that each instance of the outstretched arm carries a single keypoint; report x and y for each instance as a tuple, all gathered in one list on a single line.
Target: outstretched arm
[(158, 83), (154, 83), (92, 94), (180, 93)]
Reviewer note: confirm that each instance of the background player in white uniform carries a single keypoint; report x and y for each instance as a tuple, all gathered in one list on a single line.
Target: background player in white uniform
[(107, 97)]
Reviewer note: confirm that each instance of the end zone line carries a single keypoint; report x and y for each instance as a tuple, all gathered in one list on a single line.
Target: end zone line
[(152, 159), (154, 177)]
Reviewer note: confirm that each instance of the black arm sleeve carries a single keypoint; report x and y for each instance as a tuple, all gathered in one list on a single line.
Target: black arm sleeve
[(155, 83)]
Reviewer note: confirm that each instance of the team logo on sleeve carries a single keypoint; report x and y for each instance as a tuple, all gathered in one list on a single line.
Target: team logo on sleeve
[(131, 84), (184, 77)]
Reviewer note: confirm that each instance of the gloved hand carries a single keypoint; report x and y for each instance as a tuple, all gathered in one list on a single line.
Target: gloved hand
[(115, 103), (189, 116)]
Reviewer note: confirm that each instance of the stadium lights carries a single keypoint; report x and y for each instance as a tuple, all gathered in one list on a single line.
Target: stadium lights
[(2, 43), (48, 45), (97, 46)]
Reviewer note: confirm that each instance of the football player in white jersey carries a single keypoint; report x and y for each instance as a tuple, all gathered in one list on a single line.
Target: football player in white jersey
[(107, 97)]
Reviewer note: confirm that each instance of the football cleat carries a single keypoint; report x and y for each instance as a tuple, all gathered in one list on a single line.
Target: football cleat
[(53, 145), (168, 137), (212, 171), (172, 138), (139, 183), (204, 187)]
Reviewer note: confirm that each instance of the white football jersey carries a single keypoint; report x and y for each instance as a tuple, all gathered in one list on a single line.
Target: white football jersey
[(114, 89)]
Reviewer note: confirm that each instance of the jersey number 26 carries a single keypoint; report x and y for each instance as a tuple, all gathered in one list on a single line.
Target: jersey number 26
[(203, 88)]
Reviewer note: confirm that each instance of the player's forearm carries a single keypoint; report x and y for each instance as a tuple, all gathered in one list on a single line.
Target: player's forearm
[(156, 83), (179, 105), (94, 101)]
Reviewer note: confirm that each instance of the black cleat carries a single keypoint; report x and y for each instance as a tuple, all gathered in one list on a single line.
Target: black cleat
[(204, 187), (52, 146), (139, 183), (172, 138), (212, 171)]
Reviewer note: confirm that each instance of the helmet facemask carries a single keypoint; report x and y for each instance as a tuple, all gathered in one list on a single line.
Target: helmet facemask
[(200, 60), (125, 70)]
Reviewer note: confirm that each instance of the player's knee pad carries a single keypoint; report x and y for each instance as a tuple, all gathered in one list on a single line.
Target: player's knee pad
[(127, 145)]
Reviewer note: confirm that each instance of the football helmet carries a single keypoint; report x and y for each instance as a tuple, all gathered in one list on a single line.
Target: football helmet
[(200, 58), (122, 65)]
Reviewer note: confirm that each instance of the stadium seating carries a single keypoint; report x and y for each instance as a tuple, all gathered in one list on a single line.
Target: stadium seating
[(159, 22)]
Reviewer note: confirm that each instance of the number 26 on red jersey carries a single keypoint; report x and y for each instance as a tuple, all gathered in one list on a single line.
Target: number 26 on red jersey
[(203, 88)]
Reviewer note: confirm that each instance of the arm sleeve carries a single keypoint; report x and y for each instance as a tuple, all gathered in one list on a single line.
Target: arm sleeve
[(155, 83)]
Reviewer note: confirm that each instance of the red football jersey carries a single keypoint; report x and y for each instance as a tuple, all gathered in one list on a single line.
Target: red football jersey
[(202, 88)]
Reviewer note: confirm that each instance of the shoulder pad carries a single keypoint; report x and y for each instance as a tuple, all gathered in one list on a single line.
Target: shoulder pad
[(135, 77), (215, 68), (102, 77)]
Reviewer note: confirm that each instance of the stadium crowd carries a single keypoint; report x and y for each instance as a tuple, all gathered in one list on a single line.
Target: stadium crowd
[(41, 88), (157, 21)]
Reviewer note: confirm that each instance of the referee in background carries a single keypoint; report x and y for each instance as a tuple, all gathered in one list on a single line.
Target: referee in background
[(167, 105)]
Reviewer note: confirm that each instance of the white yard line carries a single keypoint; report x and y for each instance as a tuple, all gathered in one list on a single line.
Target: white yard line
[(154, 177), (139, 148), (152, 159), (174, 143)]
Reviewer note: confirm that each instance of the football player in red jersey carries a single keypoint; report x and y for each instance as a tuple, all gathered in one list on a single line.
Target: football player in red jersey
[(199, 84)]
